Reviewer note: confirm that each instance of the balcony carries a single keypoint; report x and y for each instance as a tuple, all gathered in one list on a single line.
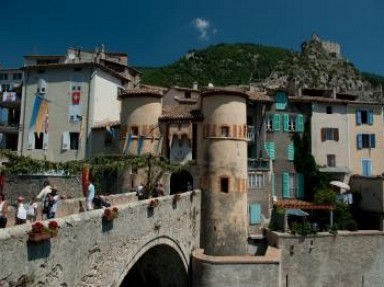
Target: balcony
[(251, 132), (9, 128), (258, 164)]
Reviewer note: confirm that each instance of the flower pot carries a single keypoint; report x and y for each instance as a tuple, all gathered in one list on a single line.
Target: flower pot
[(39, 236)]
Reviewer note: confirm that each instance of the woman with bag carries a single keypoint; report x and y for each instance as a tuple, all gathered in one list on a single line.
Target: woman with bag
[(3, 211)]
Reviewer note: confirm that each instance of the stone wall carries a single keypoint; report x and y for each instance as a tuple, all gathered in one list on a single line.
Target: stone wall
[(88, 252), (347, 259)]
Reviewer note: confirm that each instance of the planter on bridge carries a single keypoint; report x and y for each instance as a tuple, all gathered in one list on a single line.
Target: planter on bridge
[(40, 232), (110, 214), (176, 198), (153, 203)]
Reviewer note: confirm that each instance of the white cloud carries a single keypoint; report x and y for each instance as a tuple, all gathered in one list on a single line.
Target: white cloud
[(203, 26)]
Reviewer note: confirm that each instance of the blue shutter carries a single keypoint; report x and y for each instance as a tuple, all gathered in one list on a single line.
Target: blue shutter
[(291, 152), (286, 185), (281, 101), (358, 117), (300, 185), (372, 141), (300, 123), (285, 122), (370, 117), (273, 184), (359, 139), (366, 165), (254, 214), (272, 150), (276, 122)]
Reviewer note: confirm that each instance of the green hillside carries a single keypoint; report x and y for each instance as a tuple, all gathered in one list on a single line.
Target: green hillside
[(223, 64), (235, 64)]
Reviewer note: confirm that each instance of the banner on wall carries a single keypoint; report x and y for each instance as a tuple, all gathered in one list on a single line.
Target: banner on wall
[(9, 96), (76, 97), (38, 116)]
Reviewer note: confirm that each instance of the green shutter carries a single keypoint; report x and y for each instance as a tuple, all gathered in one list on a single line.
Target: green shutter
[(300, 123), (291, 152), (300, 185), (281, 101), (285, 122), (272, 150), (254, 214), (286, 185), (276, 122), (273, 184)]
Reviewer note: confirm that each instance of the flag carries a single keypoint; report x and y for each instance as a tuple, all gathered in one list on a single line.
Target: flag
[(128, 139), (76, 97), (111, 131), (41, 116), (140, 142), (35, 111)]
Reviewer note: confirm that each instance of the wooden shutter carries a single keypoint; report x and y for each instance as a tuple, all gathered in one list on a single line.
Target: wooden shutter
[(359, 140), (370, 117), (291, 152), (300, 185), (276, 122), (285, 122), (323, 134), (65, 141), (336, 134), (254, 214), (286, 185), (358, 117), (300, 123), (31, 140), (372, 141)]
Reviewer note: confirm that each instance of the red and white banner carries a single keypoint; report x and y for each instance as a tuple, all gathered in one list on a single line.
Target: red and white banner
[(76, 97)]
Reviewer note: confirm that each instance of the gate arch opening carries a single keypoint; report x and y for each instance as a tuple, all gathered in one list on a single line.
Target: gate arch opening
[(160, 266), (181, 181)]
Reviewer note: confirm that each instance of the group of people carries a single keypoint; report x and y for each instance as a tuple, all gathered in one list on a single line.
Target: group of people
[(141, 191), (28, 212)]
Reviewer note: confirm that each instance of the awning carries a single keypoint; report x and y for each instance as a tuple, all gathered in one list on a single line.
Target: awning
[(296, 212)]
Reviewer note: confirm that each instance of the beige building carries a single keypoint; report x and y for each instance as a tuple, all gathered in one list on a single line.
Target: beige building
[(64, 97), (366, 138)]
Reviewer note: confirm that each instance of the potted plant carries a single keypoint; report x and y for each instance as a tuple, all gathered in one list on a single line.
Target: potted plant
[(154, 203), (39, 232), (110, 213), (53, 228)]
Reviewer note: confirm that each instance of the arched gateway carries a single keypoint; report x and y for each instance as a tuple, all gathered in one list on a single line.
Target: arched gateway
[(181, 181)]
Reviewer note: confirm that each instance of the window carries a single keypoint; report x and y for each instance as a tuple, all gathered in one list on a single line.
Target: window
[(329, 110), (224, 184), (364, 117), (366, 167), (330, 134), (74, 141), (254, 214), (225, 131), (17, 76), (268, 123), (135, 130), (281, 101), (292, 123), (39, 139), (293, 185), (6, 87), (3, 77), (187, 94), (366, 141), (331, 160), (255, 180)]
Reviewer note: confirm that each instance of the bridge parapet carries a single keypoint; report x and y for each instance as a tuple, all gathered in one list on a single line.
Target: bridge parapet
[(90, 252)]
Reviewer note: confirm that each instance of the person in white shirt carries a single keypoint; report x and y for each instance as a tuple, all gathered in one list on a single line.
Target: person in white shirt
[(90, 195), (44, 192), (21, 213)]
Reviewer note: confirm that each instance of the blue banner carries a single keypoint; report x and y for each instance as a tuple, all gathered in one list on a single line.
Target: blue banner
[(140, 145), (35, 111)]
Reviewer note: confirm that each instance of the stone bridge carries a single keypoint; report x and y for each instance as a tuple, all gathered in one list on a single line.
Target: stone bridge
[(143, 246)]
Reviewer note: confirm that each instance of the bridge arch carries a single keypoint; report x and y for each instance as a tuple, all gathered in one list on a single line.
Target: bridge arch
[(156, 264)]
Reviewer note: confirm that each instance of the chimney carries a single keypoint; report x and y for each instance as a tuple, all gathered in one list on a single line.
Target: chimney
[(195, 85)]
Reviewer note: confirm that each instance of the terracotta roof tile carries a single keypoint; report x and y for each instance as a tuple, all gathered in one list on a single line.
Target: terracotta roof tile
[(181, 112)]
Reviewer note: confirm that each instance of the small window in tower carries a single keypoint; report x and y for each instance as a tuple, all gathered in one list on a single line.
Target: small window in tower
[(329, 110), (224, 184), (187, 94), (135, 130), (225, 131)]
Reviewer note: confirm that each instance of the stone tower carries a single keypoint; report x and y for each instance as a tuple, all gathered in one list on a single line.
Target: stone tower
[(140, 111), (224, 179)]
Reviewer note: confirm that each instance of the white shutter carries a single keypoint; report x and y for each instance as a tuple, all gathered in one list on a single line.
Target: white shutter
[(31, 140), (65, 142), (45, 141)]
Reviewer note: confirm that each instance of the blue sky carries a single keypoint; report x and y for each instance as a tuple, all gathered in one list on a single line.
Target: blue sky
[(158, 32)]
